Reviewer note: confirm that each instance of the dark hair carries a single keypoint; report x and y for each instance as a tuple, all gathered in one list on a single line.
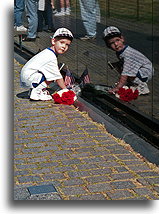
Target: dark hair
[(110, 36)]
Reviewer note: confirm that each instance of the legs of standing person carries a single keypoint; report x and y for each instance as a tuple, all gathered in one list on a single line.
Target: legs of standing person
[(53, 6), (65, 8), (68, 10), (62, 5), (62, 9), (98, 14), (40, 20), (31, 12), (48, 16), (88, 14), (19, 7)]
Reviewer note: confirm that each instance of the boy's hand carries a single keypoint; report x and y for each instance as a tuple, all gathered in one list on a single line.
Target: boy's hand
[(61, 83), (120, 84), (113, 91)]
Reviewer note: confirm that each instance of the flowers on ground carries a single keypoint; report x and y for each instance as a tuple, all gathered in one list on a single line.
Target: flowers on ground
[(127, 94), (64, 96)]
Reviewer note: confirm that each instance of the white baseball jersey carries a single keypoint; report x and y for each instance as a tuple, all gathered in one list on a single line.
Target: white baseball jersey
[(44, 62)]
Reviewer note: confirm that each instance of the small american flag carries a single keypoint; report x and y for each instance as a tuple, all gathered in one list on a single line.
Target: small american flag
[(85, 77), (69, 79)]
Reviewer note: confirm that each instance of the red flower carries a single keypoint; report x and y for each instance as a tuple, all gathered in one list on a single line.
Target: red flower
[(127, 94), (67, 98), (121, 91), (136, 94), (56, 98)]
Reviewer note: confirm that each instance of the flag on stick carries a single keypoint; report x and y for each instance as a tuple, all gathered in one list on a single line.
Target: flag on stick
[(69, 79), (85, 77)]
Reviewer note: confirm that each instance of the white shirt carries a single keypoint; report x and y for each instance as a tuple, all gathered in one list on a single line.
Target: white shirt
[(44, 62), (41, 5)]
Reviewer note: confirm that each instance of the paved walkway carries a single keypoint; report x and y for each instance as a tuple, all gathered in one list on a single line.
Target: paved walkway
[(61, 154)]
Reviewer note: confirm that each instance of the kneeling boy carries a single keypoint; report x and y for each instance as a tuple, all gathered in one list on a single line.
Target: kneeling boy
[(42, 69), (133, 66)]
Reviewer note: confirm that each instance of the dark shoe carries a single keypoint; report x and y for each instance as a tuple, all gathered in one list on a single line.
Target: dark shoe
[(27, 39), (50, 30), (54, 11), (39, 30)]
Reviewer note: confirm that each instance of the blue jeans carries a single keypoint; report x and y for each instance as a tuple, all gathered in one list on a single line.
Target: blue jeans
[(88, 14), (19, 7), (31, 13)]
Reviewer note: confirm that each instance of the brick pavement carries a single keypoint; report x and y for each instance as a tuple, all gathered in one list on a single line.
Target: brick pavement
[(60, 146)]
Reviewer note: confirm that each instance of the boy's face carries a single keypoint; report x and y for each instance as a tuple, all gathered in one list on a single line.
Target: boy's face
[(116, 43), (60, 45)]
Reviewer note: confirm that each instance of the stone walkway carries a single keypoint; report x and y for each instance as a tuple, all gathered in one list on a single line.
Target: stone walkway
[(61, 154)]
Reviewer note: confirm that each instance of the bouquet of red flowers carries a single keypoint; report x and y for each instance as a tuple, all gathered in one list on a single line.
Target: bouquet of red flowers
[(127, 94), (64, 96)]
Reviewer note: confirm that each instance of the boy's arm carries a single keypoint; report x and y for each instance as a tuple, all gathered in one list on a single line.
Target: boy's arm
[(61, 83), (121, 83)]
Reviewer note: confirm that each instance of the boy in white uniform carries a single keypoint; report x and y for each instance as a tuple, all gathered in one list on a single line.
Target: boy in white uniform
[(133, 66), (42, 69)]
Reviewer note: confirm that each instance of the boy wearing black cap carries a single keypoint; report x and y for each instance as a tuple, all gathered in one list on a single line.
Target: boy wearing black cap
[(135, 68), (42, 69)]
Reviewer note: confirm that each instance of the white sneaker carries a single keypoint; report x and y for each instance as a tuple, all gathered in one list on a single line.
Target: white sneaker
[(143, 88), (62, 13), (39, 94), (21, 28), (67, 12)]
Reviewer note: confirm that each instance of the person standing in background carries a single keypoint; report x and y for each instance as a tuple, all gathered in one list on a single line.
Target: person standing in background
[(41, 15), (19, 7), (32, 16), (65, 8), (45, 16), (53, 7), (90, 13), (49, 17)]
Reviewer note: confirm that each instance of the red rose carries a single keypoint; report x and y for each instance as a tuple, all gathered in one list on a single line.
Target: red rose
[(127, 94), (136, 94), (121, 91), (67, 98), (57, 98), (130, 94), (124, 97)]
